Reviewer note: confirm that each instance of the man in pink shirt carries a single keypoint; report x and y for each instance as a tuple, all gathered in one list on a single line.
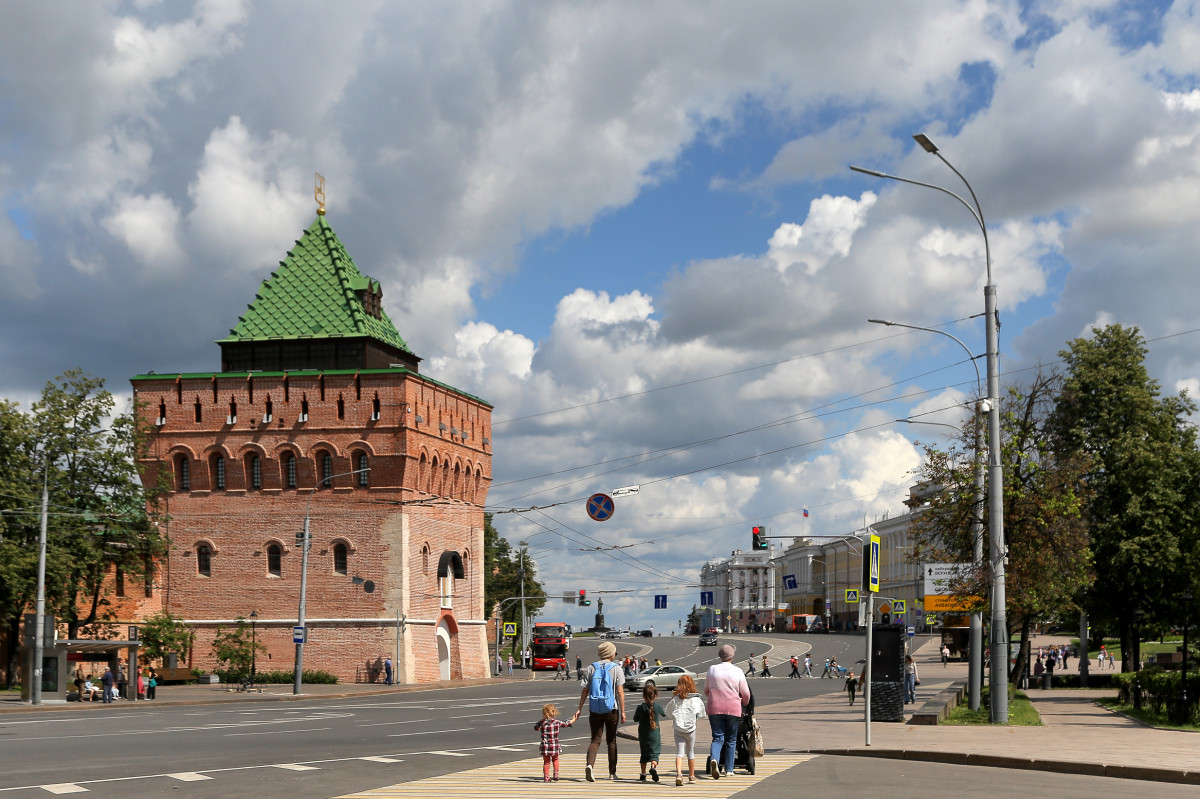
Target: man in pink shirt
[(725, 694)]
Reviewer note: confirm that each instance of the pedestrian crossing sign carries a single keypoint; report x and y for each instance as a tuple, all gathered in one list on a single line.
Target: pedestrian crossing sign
[(931, 618), (899, 607), (851, 596), (510, 628)]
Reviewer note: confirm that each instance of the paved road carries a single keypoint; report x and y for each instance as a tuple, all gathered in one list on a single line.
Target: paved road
[(322, 747)]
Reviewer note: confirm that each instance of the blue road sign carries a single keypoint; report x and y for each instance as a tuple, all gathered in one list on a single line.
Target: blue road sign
[(660, 601), (899, 607), (299, 635), (600, 507), (789, 582), (706, 597)]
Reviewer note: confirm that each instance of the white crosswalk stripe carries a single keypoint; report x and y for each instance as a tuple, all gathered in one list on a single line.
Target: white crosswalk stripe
[(513, 779)]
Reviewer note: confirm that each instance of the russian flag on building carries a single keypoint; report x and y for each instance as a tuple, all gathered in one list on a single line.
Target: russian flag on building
[(806, 511)]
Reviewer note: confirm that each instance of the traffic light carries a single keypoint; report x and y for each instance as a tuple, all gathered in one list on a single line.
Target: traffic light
[(759, 538), (583, 600)]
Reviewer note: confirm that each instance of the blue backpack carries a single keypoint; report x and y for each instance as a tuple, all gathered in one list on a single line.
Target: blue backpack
[(601, 696)]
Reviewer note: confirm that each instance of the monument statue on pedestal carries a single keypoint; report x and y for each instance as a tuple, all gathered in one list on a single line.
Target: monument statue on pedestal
[(600, 614)]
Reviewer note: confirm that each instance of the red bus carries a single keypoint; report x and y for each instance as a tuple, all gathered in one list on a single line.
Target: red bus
[(550, 644)]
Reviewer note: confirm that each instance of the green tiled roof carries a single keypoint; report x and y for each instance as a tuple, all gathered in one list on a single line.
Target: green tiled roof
[(312, 295)]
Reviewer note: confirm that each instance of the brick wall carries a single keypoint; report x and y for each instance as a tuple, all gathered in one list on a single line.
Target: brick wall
[(429, 472)]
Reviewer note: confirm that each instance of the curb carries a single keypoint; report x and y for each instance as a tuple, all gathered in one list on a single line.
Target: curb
[(1178, 776), (125, 705)]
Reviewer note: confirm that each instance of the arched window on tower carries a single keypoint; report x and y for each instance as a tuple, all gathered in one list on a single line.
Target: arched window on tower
[(218, 472), (254, 472), (183, 472), (326, 461), (340, 556), (275, 560), (361, 465), (289, 470), (204, 560)]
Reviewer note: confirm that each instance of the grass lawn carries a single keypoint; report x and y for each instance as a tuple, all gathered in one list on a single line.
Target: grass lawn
[(1020, 711), (1113, 645), (1146, 715)]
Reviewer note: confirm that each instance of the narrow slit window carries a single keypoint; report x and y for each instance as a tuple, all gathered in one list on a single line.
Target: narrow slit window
[(204, 560), (340, 552), (255, 472), (275, 560), (289, 467), (219, 472)]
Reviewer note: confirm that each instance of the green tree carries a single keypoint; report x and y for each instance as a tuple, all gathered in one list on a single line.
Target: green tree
[(1049, 560), (1142, 474), (502, 577), (162, 634), (20, 488), (235, 650)]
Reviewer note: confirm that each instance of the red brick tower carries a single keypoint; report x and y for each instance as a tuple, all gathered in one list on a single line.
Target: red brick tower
[(316, 383)]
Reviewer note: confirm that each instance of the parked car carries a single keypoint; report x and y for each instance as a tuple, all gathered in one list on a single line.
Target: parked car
[(664, 677), (646, 633), (611, 634), (708, 639)]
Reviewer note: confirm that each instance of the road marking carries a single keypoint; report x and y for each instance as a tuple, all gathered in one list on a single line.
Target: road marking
[(294, 767), (189, 776), (478, 715), (277, 732), (448, 753), (427, 732), (520, 776), (389, 723), (381, 759), (514, 724), (504, 748), (64, 787)]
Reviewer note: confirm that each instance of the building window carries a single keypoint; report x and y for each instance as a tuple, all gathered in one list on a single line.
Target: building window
[(185, 473), (204, 560), (326, 467), (120, 580), (341, 407), (275, 560), (218, 464), (361, 465), (197, 414), (375, 409), (446, 588), (255, 472), (339, 557), (289, 470), (149, 564), (425, 559)]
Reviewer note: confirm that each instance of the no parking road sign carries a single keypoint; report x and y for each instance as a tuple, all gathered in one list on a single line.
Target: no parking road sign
[(600, 507)]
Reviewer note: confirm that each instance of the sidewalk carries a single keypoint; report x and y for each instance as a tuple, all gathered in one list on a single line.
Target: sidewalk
[(1079, 736)]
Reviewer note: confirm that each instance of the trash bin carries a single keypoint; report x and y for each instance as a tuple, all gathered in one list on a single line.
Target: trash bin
[(1046, 680)]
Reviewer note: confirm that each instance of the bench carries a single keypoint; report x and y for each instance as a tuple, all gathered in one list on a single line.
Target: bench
[(937, 708)]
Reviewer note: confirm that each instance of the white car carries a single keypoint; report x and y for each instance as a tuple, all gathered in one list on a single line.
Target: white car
[(663, 677)]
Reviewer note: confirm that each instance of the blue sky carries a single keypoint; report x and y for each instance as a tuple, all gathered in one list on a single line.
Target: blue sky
[(632, 226)]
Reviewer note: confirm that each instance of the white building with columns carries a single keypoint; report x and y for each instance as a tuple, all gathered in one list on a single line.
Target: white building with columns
[(743, 588)]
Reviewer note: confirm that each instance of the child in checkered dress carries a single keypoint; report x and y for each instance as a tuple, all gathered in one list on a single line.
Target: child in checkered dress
[(551, 747)]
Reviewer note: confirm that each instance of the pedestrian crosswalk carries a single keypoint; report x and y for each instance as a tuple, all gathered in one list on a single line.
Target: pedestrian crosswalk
[(513, 779)]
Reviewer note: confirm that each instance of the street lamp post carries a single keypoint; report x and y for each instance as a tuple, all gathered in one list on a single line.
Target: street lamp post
[(997, 550), (306, 544), (39, 618), (975, 645)]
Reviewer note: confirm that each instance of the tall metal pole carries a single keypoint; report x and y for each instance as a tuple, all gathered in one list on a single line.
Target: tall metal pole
[(975, 644), (306, 544), (867, 666), (997, 549), (39, 618)]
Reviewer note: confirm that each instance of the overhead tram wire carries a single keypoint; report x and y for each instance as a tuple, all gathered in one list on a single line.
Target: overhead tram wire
[(686, 383)]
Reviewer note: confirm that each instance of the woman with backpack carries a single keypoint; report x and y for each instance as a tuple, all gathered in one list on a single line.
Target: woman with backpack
[(727, 693), (685, 707), (604, 694)]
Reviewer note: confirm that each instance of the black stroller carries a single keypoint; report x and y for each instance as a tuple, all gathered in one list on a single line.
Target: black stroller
[(745, 733)]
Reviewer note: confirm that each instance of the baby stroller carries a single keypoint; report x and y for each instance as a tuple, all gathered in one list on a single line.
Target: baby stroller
[(745, 732)]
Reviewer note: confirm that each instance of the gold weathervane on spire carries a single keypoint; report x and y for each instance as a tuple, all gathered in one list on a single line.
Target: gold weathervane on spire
[(319, 193)]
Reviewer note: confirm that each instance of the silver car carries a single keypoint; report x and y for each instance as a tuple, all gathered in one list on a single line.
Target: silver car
[(664, 677)]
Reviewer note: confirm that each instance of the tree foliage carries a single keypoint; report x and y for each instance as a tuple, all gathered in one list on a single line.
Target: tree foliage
[(502, 576), (1045, 534), (235, 649), (162, 634), (1142, 473), (98, 521)]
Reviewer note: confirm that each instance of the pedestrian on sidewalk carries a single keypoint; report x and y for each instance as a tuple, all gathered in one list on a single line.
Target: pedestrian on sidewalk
[(945, 655), (604, 693), (499, 664), (851, 686), (685, 707), (826, 673), (550, 747), (808, 667), (510, 664), (1100, 657), (795, 668), (750, 662), (107, 682), (578, 667), (726, 692), (766, 670), (911, 680), (387, 670)]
